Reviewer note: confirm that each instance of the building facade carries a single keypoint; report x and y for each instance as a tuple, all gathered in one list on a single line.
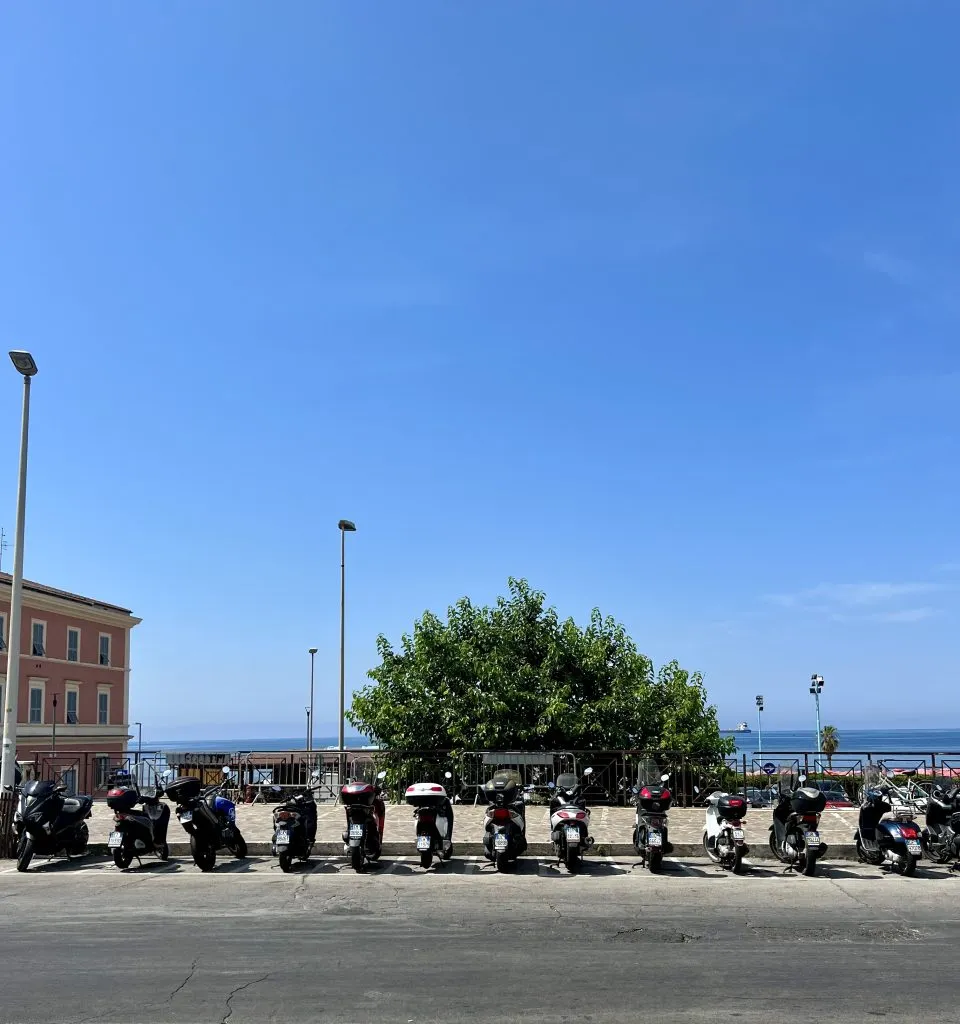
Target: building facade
[(74, 696)]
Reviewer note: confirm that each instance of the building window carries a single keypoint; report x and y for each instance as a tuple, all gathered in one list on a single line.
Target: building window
[(73, 644), (72, 704), (104, 648), (39, 638), (103, 707), (103, 770), (36, 705), (3, 632)]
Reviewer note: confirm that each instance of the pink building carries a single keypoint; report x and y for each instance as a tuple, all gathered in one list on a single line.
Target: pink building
[(74, 651)]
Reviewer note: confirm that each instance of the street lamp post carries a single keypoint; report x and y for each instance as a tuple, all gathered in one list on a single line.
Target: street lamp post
[(311, 652), (345, 527), (25, 364), (759, 724), (139, 726), (309, 718), (816, 688)]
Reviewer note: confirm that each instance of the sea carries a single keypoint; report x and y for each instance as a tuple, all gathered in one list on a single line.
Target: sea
[(852, 742)]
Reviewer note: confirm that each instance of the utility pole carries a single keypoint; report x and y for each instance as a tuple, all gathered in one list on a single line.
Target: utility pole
[(759, 724), (816, 688)]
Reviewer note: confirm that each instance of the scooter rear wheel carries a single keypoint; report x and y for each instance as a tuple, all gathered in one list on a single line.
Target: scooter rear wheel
[(356, 858), (573, 859), (738, 866), (286, 861), (502, 862), (907, 866), (809, 865), (163, 851), (710, 851), (122, 857), (655, 861), (205, 857), (426, 859)]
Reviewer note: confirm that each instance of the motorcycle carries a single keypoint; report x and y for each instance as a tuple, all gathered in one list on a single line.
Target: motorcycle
[(794, 836), (650, 836), (941, 836), (48, 823), (570, 820), (895, 842), (723, 840), (209, 818), (504, 838), (136, 832), (294, 830), (434, 814), (366, 811)]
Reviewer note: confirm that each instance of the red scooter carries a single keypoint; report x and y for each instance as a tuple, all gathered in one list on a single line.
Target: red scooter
[(366, 811)]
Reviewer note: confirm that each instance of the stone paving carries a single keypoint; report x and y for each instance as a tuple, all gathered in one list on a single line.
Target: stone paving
[(607, 824)]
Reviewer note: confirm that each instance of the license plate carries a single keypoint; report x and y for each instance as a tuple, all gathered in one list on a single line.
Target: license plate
[(186, 816), (423, 843), (573, 836), (115, 839), (500, 841), (913, 846), (811, 838), (654, 839), (738, 833), (283, 838), (356, 832)]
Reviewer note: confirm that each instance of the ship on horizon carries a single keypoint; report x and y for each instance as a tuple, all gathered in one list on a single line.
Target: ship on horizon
[(741, 727)]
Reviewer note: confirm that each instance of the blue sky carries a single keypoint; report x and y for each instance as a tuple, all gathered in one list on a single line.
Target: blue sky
[(655, 305)]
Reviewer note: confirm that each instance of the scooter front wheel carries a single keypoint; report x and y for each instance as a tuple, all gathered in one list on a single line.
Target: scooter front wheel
[(24, 852), (239, 845)]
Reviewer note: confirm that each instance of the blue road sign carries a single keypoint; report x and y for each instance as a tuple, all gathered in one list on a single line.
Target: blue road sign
[(769, 768)]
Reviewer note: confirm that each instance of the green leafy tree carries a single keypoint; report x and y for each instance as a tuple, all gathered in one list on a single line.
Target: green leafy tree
[(829, 742), (516, 676)]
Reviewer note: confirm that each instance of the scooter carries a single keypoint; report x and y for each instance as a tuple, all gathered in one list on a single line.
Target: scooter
[(650, 836), (893, 843), (570, 820), (723, 840), (794, 833), (366, 812), (434, 815), (209, 818), (505, 825), (941, 837), (136, 832), (48, 823), (294, 830)]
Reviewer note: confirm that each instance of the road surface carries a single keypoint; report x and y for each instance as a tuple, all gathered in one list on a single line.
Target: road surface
[(84, 942)]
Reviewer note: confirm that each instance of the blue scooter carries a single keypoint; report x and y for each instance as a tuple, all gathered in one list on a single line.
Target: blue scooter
[(896, 842), (209, 818)]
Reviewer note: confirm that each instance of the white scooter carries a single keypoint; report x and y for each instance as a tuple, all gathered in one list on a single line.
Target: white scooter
[(570, 820), (434, 814), (723, 839)]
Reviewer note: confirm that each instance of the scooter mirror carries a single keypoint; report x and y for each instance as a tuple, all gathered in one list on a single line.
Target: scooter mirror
[(381, 775), (448, 775), (551, 785), (226, 770), (696, 789), (802, 779), (588, 771), (665, 778), (634, 790)]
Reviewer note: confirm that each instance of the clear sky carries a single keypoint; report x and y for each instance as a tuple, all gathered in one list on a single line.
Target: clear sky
[(653, 304)]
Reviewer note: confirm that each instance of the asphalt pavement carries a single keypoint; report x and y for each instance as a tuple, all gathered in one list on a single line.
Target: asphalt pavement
[(84, 942)]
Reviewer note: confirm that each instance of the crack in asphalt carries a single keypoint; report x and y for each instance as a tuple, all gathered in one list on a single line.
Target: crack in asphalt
[(237, 990), (183, 984)]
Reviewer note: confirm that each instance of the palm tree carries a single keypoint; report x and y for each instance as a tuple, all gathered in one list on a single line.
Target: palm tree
[(829, 742)]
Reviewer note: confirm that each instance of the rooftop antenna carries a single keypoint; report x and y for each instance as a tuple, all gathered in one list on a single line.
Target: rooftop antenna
[(3, 545)]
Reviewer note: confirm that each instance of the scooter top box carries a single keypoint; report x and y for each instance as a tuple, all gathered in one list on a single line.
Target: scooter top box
[(732, 806), (808, 801), (358, 793), (184, 789), (426, 794), (122, 798), (654, 798)]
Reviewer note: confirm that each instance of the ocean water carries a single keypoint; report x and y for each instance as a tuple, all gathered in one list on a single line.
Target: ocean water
[(852, 742)]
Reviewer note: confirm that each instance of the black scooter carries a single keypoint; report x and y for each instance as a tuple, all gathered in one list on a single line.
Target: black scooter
[(294, 830), (894, 843), (505, 826), (794, 833), (941, 837), (208, 818), (650, 833), (48, 823), (136, 832)]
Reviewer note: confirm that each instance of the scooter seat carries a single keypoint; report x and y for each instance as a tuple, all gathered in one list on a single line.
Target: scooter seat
[(75, 804)]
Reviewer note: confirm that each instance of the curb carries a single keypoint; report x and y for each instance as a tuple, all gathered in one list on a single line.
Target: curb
[(837, 851)]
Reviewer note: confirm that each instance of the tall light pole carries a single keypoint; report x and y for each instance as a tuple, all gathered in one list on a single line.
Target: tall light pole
[(24, 363), (311, 652), (345, 527), (309, 723), (816, 688), (139, 726), (759, 724)]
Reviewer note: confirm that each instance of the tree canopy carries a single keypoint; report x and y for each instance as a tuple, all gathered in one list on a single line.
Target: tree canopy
[(516, 676)]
